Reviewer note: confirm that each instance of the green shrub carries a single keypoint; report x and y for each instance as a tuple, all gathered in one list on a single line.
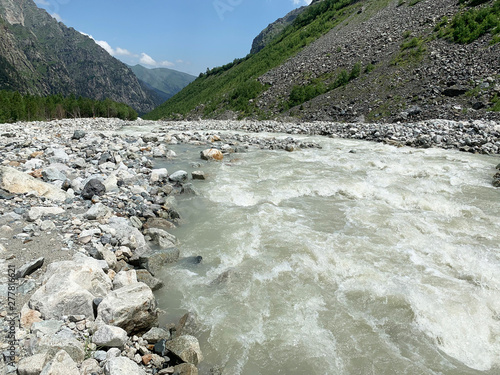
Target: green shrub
[(472, 24)]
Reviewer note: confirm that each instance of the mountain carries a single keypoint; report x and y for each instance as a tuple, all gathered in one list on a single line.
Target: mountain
[(165, 82), (275, 28), (361, 60), (41, 56)]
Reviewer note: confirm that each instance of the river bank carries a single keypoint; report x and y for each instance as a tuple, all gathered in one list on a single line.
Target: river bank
[(100, 219)]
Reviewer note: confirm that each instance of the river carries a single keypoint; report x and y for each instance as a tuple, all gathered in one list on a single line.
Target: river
[(357, 258)]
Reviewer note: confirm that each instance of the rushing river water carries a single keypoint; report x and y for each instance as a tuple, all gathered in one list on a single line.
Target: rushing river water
[(382, 260)]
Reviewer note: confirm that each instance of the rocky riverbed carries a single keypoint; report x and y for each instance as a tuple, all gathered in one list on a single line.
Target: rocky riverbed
[(84, 231)]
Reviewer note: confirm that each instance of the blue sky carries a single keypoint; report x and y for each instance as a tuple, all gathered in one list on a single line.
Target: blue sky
[(186, 35)]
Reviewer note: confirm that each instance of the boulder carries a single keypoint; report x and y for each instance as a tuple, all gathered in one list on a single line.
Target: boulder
[(132, 307), (110, 337), (155, 260), (156, 334), (186, 369), (188, 325), (144, 276), (187, 348), (61, 364), (63, 340), (17, 182), (212, 154), (179, 176), (69, 288), (158, 175), (122, 366), (93, 187), (32, 365), (161, 237), (126, 233), (124, 278), (90, 367)]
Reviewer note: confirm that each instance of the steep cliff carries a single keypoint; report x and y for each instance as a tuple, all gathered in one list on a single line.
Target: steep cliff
[(39, 55)]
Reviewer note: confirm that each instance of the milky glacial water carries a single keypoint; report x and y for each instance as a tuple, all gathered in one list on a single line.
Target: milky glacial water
[(381, 261)]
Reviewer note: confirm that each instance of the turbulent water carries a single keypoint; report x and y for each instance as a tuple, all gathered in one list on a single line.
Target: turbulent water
[(358, 258)]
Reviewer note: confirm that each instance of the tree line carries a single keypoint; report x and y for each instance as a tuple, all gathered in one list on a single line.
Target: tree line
[(17, 107)]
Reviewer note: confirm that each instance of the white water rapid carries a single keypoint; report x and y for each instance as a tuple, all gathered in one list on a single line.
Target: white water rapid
[(380, 261)]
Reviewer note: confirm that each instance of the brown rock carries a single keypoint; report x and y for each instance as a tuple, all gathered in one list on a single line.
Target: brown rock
[(146, 359), (212, 154), (28, 317)]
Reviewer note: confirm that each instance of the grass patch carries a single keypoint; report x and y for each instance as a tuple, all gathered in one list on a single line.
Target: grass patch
[(473, 23), (301, 94), (411, 50), (496, 104)]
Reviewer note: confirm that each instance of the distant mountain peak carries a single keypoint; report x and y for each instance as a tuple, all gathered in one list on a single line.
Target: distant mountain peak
[(39, 55)]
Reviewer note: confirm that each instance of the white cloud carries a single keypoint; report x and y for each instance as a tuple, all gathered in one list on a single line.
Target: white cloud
[(147, 60), (301, 2), (106, 46), (133, 58), (122, 52), (166, 64), (42, 2), (57, 17)]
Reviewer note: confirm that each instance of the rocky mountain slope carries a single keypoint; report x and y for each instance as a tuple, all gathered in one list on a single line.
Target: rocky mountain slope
[(165, 82), (379, 60), (39, 55), (276, 28)]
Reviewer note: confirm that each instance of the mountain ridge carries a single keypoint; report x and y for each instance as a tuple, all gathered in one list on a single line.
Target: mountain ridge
[(164, 81), (380, 60), (41, 56)]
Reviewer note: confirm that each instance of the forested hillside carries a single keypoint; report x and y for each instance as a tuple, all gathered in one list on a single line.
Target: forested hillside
[(383, 60)]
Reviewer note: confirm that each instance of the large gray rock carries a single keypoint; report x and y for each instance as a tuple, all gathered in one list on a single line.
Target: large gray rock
[(186, 348), (160, 174), (185, 369), (155, 260), (124, 278), (179, 176), (90, 367), (122, 366), (97, 211), (32, 365), (69, 288), (144, 276), (63, 340), (21, 183), (61, 364), (156, 334), (132, 307), (161, 237), (126, 233), (110, 337)]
